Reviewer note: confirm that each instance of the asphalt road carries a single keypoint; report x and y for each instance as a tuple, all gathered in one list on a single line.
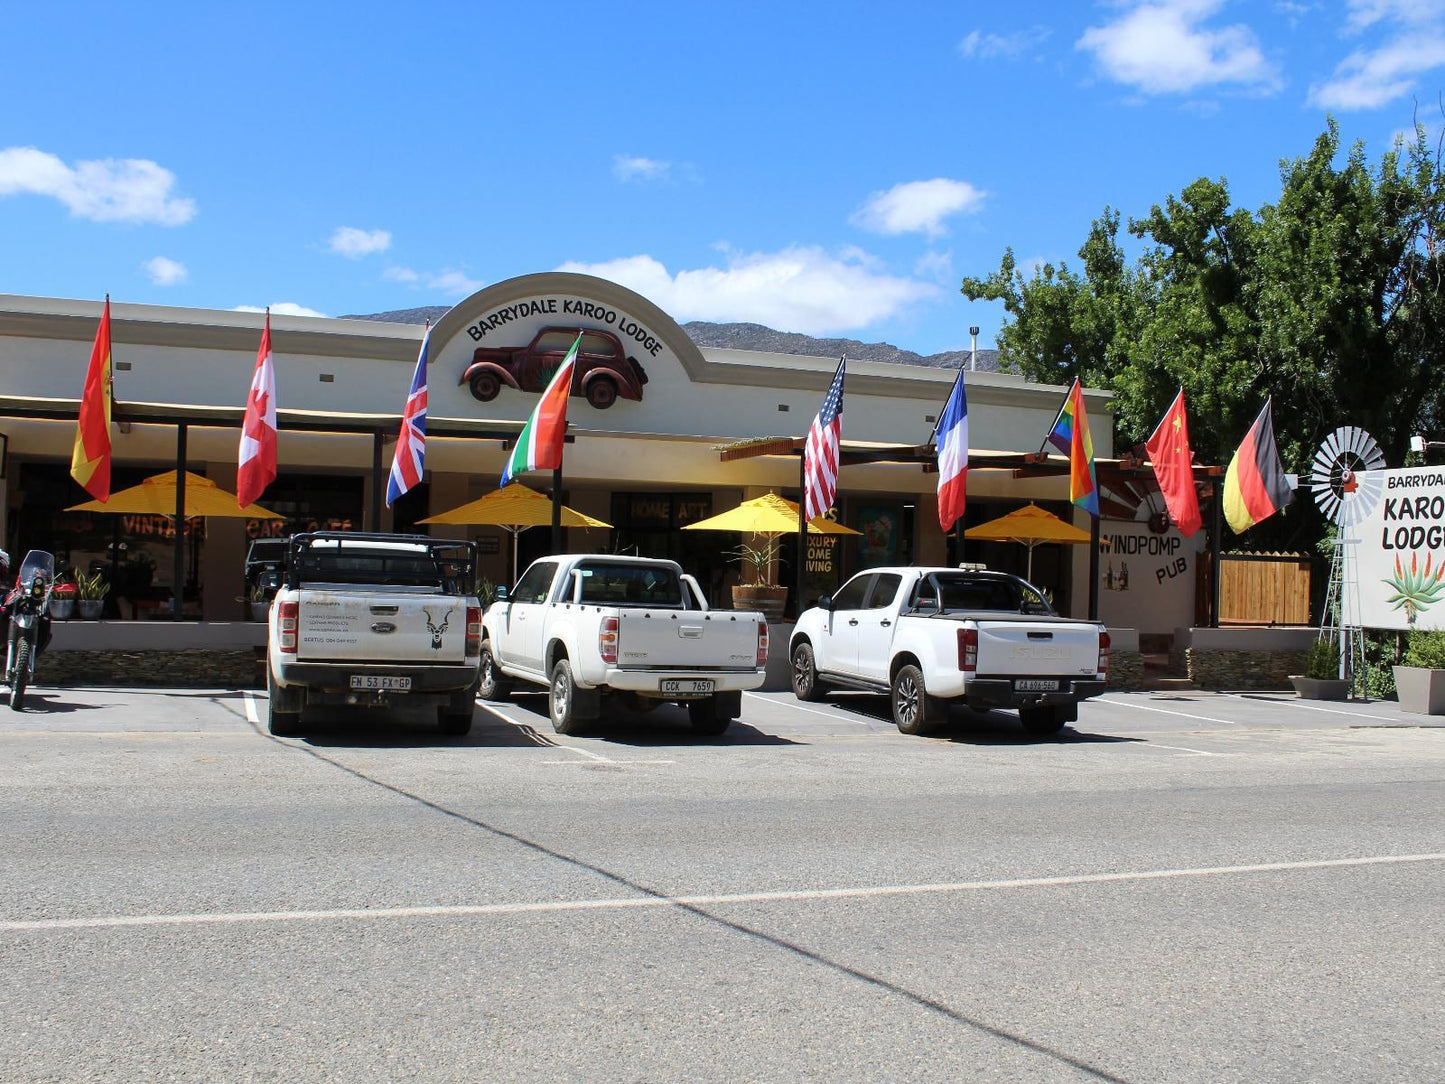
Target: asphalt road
[(1180, 888)]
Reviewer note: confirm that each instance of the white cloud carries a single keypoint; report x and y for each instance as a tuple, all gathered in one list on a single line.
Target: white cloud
[(353, 243), (917, 207), (104, 190), (1162, 48), (799, 289), (1370, 78), (448, 281), (629, 168), (1006, 46), (164, 271), (281, 308), (937, 266)]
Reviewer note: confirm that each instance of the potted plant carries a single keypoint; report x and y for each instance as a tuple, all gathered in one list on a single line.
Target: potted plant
[(90, 590), (257, 601), (1321, 679), (758, 591), (62, 600), (1420, 676)]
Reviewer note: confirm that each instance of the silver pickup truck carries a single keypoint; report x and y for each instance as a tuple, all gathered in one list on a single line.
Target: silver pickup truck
[(636, 629), (933, 636), (373, 620)]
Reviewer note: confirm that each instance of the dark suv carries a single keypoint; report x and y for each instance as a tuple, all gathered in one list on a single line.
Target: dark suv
[(603, 372)]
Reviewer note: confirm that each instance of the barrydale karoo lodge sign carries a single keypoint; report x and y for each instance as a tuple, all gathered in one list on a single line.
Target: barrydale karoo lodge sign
[(1396, 562)]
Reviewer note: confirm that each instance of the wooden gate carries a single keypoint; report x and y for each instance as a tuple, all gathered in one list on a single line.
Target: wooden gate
[(1265, 588)]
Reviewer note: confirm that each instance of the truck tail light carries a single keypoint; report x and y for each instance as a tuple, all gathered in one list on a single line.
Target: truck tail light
[(762, 644), (474, 631), (1103, 652), (288, 626), (607, 640), (968, 650)]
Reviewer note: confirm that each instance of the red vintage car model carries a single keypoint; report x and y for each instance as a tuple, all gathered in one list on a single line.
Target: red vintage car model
[(603, 371)]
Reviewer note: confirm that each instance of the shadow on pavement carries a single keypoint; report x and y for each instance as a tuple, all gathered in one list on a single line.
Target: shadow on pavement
[(663, 726), (45, 702), (967, 727)]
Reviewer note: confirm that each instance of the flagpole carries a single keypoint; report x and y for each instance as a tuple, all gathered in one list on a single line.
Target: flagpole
[(557, 509), (178, 567), (801, 556)]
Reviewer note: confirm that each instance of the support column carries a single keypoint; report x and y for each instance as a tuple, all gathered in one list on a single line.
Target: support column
[(178, 582)]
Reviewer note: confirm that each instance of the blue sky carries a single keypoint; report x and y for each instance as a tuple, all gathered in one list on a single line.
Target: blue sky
[(830, 168)]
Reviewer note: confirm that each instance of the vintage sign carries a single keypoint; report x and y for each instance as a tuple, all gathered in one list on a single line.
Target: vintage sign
[(1395, 556), (1146, 579)]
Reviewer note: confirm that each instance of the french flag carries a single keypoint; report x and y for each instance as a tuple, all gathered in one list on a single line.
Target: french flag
[(952, 446), (410, 454)]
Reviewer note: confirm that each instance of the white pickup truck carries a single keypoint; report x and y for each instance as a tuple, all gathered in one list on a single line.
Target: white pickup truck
[(638, 629), (373, 620), (933, 636)]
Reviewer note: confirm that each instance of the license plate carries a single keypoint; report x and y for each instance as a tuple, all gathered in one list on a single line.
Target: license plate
[(1037, 685), (381, 681), (688, 687)]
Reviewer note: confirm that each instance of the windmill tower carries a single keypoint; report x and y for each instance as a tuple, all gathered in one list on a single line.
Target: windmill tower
[(1345, 496)]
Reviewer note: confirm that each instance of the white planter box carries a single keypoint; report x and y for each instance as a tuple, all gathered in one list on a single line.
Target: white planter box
[(1421, 691)]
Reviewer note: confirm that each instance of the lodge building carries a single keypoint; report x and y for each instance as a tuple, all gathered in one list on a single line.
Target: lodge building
[(712, 427)]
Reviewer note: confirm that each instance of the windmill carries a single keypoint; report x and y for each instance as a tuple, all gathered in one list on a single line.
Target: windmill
[(1344, 477)]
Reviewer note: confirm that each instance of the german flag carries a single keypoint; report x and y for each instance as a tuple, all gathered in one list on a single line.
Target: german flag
[(90, 458), (1255, 487)]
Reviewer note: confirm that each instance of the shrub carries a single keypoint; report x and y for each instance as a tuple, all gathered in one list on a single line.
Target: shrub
[(1425, 649), (1322, 660)]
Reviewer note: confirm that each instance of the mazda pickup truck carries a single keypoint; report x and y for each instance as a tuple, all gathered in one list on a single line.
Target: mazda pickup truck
[(932, 637), (630, 629), (374, 620)]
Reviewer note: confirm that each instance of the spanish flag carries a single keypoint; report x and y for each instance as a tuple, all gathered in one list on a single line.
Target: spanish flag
[(90, 459), (1255, 486)]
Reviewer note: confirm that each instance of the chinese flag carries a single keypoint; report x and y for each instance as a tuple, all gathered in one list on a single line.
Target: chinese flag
[(90, 459), (1174, 467)]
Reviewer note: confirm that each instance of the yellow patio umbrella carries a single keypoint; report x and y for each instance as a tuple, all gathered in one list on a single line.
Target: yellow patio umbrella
[(1028, 526), (514, 509), (768, 514), (156, 496)]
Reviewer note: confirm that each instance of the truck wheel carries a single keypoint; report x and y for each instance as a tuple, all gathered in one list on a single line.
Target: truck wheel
[(571, 708), (485, 386), (280, 722), (914, 711), (712, 715), (1042, 722), (806, 685), (602, 393), (492, 686)]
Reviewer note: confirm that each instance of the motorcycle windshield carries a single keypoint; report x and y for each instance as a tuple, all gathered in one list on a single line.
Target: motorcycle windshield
[(37, 561)]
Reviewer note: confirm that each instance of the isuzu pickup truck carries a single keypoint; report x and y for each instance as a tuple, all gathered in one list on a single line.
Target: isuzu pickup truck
[(931, 637), (374, 620), (634, 629)]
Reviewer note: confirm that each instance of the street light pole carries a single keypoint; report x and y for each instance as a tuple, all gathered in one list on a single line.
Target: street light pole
[(973, 349)]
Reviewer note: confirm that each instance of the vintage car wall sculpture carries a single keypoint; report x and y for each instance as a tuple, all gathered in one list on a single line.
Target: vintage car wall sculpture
[(603, 372)]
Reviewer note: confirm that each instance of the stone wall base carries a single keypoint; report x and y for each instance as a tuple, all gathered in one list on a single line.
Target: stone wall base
[(1126, 670), (1243, 669), (197, 668)]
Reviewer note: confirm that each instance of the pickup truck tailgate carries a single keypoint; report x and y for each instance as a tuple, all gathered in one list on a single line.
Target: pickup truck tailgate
[(348, 627), (687, 640), (1009, 648)]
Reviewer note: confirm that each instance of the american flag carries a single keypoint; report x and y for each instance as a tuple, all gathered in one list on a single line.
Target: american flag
[(820, 454), (410, 453)]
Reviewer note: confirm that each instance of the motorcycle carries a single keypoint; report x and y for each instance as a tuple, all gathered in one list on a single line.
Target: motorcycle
[(27, 607)]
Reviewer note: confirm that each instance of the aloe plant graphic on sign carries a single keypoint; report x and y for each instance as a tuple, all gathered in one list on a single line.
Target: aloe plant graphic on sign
[(1418, 589)]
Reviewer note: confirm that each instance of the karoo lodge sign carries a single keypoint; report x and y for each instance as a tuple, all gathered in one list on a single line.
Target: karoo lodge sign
[(1395, 556)]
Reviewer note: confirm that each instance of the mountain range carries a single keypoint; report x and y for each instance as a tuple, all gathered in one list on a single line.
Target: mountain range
[(758, 337)]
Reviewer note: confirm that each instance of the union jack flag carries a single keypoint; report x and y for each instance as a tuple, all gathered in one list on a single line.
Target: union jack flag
[(820, 454), (410, 453)]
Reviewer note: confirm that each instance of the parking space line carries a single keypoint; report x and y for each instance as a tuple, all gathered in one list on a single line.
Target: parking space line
[(810, 711), (1166, 711), (696, 901), (252, 715), (541, 739), (1286, 700)]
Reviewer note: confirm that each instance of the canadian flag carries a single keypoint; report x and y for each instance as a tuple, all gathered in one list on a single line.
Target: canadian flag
[(256, 463)]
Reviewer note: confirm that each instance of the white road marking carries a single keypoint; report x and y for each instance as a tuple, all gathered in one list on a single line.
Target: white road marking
[(252, 715), (1166, 711), (526, 728), (1151, 744), (811, 711), (1310, 707), (645, 902)]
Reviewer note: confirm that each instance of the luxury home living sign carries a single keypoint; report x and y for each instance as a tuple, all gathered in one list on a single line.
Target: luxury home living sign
[(1395, 555)]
